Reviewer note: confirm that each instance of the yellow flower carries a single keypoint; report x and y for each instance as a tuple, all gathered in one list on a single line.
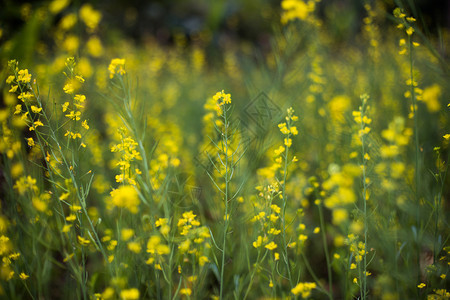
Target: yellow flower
[(58, 5), (134, 247), (94, 47), (279, 151), (294, 130), (283, 128), (13, 89), (302, 237), (127, 197), (117, 66), (127, 233), (24, 76), (35, 109), (25, 96), (304, 288), (71, 218), (66, 228), (68, 88), (10, 79), (83, 241), (258, 242), (421, 285), (30, 142), (80, 98), (275, 208), (410, 31), (18, 109), (271, 246), (90, 16), (226, 98), (130, 294), (288, 142), (202, 260), (85, 124), (74, 115), (65, 106), (23, 276), (186, 291), (79, 78)]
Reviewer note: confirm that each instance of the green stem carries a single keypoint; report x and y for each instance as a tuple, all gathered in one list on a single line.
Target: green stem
[(314, 276), (325, 249), (283, 216), (364, 196), (225, 138), (252, 275), (416, 140)]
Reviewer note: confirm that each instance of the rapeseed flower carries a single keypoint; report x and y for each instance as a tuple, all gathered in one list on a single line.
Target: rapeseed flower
[(304, 288), (117, 66), (127, 197)]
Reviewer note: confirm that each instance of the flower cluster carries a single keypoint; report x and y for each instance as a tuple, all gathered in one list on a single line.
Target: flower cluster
[(297, 9), (358, 250), (30, 109), (304, 288), (128, 156), (267, 215), (194, 234), (405, 23), (220, 99), (125, 196), (116, 67), (74, 108), (156, 248)]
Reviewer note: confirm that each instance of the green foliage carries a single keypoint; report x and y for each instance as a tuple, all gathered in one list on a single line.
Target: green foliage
[(132, 177)]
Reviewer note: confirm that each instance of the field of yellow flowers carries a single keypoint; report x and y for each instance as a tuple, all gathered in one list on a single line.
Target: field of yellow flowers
[(316, 168)]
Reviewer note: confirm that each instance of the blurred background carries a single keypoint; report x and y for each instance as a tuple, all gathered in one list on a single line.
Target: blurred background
[(26, 27)]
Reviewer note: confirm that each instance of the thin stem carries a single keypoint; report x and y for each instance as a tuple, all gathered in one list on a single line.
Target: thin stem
[(416, 140), (325, 249), (252, 275), (283, 216), (225, 139), (314, 276), (364, 197)]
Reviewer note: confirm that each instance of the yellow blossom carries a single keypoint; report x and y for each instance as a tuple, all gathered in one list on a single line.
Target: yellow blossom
[(35, 109), (186, 291), (127, 233), (127, 197), (288, 142), (130, 294), (83, 241), (304, 288), (271, 246), (134, 247), (68, 88), (90, 16), (24, 76), (117, 66)]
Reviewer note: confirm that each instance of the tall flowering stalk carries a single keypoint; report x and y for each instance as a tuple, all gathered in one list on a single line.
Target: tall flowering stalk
[(288, 129), (407, 24), (61, 161), (363, 122), (225, 166)]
